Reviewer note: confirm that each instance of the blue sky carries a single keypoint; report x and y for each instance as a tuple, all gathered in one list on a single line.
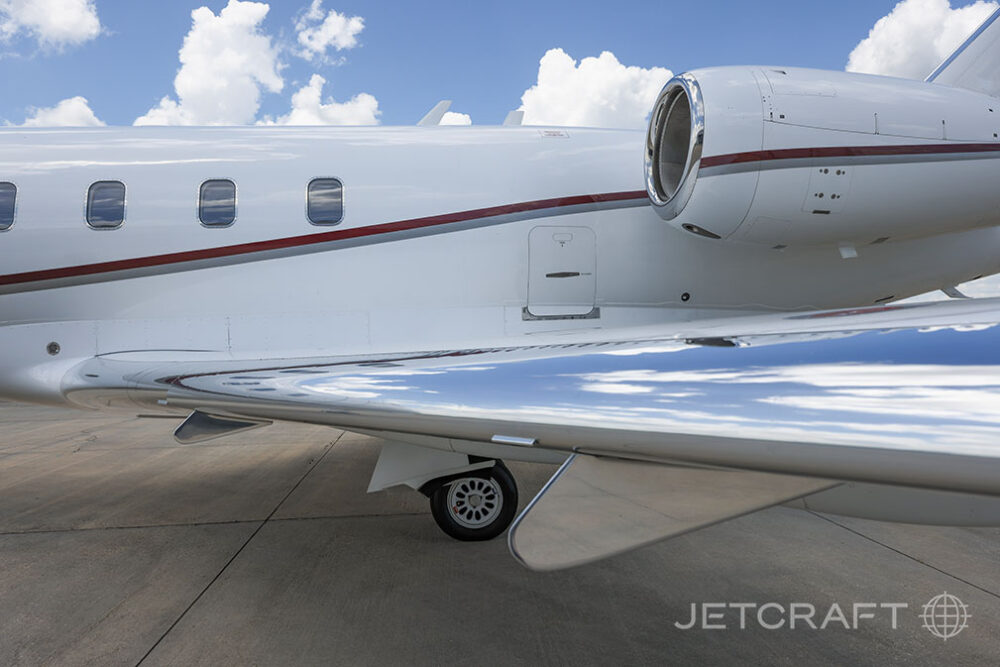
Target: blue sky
[(411, 54)]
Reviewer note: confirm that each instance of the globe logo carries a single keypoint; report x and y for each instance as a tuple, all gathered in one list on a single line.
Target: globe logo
[(945, 616)]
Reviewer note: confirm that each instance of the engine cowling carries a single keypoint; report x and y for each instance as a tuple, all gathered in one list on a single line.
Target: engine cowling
[(794, 157)]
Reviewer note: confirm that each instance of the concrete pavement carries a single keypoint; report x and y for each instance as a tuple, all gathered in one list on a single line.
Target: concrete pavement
[(119, 546)]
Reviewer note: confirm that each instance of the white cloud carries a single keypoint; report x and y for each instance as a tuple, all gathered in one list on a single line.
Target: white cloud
[(596, 92), (985, 287), (225, 63), (54, 23), (916, 36), (615, 388), (317, 33), (71, 112), (832, 375), (453, 118), (308, 108)]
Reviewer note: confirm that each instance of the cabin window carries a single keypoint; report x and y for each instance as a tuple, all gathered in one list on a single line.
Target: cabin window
[(106, 205), (325, 201), (8, 196), (217, 203)]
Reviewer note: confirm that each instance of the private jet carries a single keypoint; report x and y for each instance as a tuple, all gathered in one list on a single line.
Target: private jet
[(696, 321)]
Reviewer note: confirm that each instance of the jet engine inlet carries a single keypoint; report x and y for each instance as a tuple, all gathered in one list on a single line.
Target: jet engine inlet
[(673, 145)]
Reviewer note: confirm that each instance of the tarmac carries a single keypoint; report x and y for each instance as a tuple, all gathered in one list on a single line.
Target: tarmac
[(119, 546)]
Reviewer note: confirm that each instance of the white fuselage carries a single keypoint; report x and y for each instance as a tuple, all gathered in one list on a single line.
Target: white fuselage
[(416, 262)]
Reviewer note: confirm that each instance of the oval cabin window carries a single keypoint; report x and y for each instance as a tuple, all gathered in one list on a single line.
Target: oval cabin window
[(8, 198), (217, 203), (325, 201), (106, 205)]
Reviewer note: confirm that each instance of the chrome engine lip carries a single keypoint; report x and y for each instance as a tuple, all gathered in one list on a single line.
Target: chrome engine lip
[(670, 207)]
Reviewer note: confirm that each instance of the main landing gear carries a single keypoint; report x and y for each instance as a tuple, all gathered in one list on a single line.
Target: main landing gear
[(476, 505), (472, 497)]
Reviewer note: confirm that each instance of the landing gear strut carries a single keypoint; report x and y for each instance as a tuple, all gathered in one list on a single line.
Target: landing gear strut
[(478, 505)]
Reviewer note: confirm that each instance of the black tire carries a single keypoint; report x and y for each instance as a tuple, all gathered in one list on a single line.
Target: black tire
[(460, 514)]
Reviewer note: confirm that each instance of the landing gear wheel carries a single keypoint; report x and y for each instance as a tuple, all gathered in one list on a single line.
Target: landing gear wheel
[(476, 507)]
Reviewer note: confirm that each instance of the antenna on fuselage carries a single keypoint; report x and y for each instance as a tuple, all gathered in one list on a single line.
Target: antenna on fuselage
[(514, 118), (434, 116)]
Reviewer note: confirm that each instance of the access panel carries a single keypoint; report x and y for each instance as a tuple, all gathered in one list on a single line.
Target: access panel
[(562, 273)]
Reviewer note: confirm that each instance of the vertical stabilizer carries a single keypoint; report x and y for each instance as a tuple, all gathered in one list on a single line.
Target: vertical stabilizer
[(975, 65)]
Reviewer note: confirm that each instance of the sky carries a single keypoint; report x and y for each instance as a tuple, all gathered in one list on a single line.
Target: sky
[(120, 62), (349, 62)]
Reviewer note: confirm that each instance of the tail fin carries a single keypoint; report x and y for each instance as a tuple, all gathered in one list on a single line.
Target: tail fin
[(975, 65)]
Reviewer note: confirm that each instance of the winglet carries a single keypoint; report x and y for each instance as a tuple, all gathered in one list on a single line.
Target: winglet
[(434, 116), (514, 118)]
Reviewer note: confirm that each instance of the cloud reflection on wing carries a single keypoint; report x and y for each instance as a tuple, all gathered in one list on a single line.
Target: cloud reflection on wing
[(931, 390)]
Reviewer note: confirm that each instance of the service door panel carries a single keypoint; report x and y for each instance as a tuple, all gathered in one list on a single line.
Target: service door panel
[(562, 272)]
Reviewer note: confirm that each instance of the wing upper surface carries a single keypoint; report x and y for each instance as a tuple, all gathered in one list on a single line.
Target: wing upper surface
[(897, 394)]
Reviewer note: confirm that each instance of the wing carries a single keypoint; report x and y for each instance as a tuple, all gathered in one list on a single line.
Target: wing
[(777, 406), (898, 394)]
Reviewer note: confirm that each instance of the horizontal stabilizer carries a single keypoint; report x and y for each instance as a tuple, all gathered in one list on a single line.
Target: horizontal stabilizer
[(975, 65), (596, 507), (201, 426)]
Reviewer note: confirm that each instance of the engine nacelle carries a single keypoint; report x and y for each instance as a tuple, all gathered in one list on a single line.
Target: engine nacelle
[(795, 157)]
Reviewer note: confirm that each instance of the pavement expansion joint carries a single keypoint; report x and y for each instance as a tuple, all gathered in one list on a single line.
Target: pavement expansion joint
[(338, 517), (905, 555), (246, 542), (90, 529), (197, 524)]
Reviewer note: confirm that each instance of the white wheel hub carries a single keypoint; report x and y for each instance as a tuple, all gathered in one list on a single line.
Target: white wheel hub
[(474, 502)]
